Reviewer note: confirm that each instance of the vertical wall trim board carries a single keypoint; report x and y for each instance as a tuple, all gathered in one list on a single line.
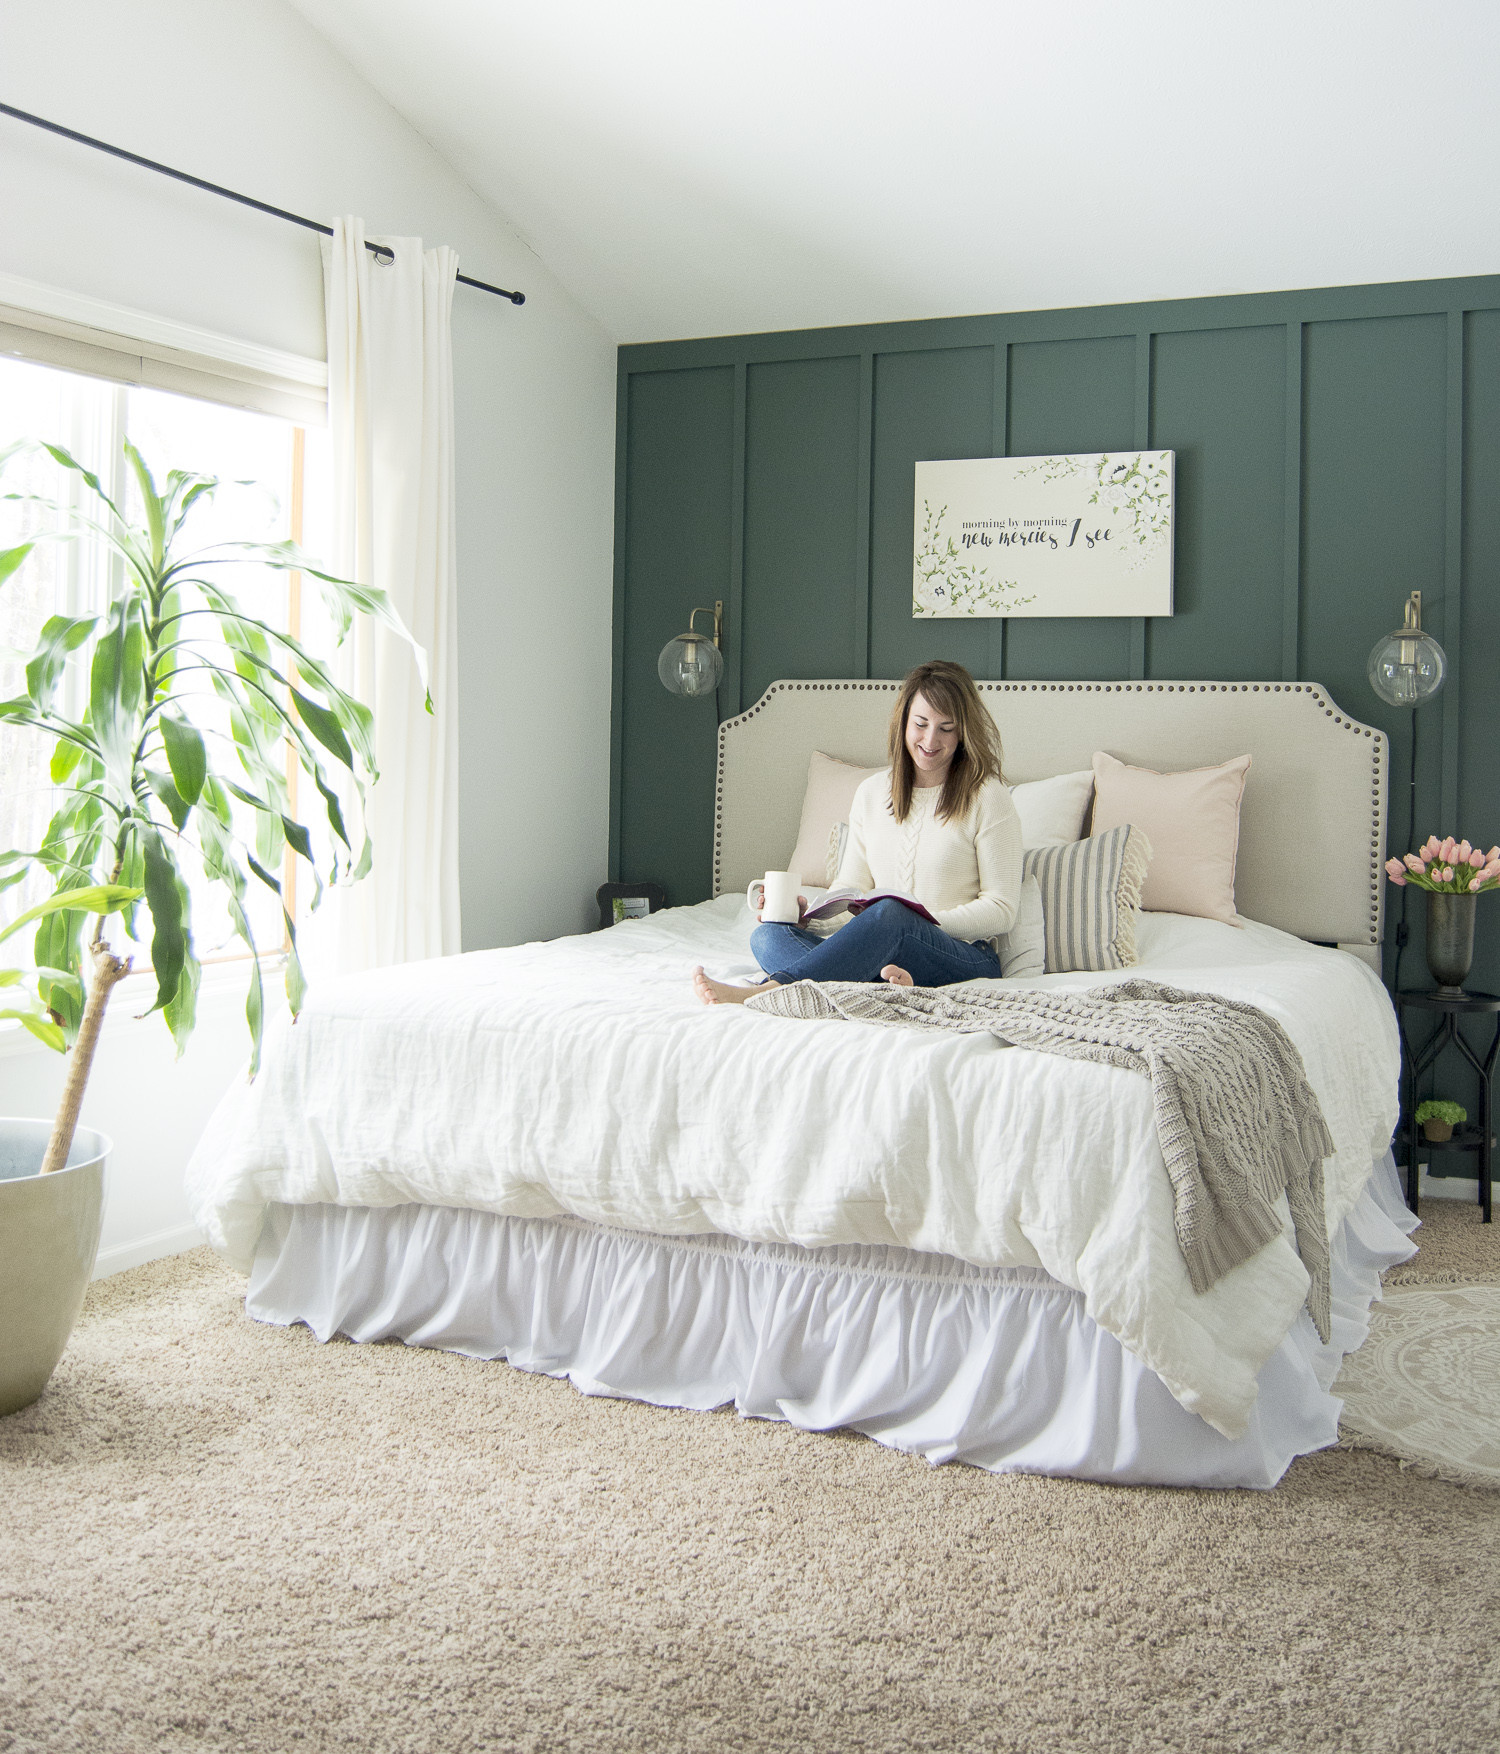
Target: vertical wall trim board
[(1291, 564), (1143, 356), (732, 686), (617, 660), (862, 513), (1453, 568), (999, 447)]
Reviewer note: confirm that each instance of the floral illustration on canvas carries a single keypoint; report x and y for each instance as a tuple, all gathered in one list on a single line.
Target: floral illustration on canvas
[(1044, 536), (950, 584)]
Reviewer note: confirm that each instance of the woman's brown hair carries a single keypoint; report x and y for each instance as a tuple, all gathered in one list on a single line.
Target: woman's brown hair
[(949, 690)]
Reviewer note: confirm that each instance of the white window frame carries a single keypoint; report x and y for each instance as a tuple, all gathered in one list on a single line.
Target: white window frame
[(48, 325)]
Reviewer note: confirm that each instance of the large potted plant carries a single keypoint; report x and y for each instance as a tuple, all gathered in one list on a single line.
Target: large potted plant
[(198, 711)]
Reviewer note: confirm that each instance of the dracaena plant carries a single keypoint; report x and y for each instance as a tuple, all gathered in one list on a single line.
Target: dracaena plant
[(180, 756)]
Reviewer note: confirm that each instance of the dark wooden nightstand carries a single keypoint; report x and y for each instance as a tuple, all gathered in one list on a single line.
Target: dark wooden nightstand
[(1445, 1033)]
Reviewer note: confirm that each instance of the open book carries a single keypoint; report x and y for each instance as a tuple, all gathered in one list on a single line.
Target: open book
[(855, 901)]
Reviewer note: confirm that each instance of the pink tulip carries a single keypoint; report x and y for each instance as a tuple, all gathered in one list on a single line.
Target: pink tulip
[(1490, 872), (1413, 863), (1446, 874), (1475, 886), (1430, 847), (1464, 849), (1394, 868), (1397, 876), (1476, 858), (1447, 850)]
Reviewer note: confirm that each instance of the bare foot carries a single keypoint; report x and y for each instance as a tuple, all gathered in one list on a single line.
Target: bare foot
[(713, 992), (898, 977)]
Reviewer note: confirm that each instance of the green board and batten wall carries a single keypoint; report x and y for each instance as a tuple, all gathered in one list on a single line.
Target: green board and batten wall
[(1336, 448)]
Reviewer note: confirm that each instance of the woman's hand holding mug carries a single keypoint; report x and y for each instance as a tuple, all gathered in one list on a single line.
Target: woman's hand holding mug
[(778, 901)]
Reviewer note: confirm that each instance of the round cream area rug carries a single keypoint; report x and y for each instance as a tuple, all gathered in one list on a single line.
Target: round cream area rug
[(1425, 1386)]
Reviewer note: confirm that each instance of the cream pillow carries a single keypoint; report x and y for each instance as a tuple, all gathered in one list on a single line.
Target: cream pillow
[(1053, 811), (1192, 820), (831, 785)]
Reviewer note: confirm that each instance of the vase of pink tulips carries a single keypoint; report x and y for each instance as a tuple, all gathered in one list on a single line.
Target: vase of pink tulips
[(1454, 874)]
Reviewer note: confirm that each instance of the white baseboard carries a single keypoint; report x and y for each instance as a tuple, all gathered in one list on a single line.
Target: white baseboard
[(1445, 1187), (147, 1248)]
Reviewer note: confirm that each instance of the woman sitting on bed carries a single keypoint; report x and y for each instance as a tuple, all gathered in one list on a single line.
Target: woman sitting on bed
[(938, 825)]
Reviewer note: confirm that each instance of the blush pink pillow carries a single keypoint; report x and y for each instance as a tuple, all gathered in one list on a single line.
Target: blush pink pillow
[(1193, 823), (831, 785)]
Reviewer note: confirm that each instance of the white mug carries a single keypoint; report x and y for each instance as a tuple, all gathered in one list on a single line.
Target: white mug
[(779, 903)]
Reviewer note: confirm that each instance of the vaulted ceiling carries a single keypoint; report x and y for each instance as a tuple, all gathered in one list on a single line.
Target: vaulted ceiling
[(693, 167)]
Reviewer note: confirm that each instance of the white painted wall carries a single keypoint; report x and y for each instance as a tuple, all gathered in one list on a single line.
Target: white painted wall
[(245, 93)]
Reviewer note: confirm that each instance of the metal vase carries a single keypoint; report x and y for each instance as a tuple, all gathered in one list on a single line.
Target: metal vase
[(1450, 940)]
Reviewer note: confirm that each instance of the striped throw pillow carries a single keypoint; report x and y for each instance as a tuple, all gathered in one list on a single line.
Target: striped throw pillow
[(1090, 892)]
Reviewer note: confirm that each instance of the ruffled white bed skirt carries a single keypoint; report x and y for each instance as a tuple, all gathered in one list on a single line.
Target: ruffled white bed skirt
[(1000, 1367)]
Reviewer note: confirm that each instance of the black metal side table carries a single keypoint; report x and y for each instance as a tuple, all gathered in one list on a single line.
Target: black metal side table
[(1445, 1033)]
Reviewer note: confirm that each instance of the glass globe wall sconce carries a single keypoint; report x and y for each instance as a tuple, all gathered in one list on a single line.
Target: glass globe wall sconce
[(1408, 666), (693, 663)]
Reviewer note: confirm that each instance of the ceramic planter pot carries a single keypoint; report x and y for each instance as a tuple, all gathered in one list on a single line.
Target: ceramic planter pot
[(1437, 1132), (49, 1235)]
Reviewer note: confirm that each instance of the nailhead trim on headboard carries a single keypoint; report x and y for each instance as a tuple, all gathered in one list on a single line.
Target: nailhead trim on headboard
[(1312, 689)]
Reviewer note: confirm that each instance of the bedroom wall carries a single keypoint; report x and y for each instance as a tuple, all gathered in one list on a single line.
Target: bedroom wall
[(245, 93), (1336, 449)]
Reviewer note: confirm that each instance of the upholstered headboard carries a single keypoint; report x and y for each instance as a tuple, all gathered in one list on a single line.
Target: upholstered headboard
[(1312, 825)]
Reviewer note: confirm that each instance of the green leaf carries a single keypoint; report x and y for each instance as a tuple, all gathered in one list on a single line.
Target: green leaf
[(261, 872), (296, 979), (101, 898), (186, 756), (41, 1026), (213, 800), (335, 809), (69, 461), (301, 842), (181, 1011), (65, 757), (249, 798), (12, 559), (176, 806), (171, 939), (60, 635), (151, 502), (58, 978), (299, 838), (117, 690), (270, 843), (325, 726)]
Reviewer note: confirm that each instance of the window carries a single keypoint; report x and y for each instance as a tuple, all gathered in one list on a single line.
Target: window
[(276, 477)]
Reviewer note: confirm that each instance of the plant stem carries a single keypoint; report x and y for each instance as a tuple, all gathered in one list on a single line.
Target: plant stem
[(108, 971)]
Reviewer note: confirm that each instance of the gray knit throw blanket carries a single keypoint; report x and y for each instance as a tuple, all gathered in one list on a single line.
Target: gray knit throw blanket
[(1237, 1120)]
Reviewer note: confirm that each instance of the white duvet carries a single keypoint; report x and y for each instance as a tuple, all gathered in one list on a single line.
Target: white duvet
[(582, 1076)]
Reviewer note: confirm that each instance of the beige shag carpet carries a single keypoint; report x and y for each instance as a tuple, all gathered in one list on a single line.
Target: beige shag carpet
[(215, 1535)]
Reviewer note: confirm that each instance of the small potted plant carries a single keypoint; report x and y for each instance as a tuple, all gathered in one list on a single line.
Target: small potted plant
[(1438, 1119)]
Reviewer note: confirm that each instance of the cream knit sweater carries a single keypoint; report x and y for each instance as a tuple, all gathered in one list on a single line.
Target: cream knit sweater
[(967, 873)]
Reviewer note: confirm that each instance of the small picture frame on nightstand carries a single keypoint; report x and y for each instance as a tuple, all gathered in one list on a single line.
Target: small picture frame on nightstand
[(628, 901)]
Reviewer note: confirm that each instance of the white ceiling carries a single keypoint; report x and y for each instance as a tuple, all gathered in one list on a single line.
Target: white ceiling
[(700, 167)]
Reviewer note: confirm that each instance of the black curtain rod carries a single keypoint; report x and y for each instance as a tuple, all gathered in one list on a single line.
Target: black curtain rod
[(379, 251)]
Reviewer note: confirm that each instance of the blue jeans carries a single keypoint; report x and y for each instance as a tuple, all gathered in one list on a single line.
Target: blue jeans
[(887, 932)]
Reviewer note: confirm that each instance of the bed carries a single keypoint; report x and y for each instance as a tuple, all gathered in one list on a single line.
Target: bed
[(554, 1155)]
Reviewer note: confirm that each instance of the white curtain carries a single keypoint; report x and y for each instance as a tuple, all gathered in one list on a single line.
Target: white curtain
[(390, 411)]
